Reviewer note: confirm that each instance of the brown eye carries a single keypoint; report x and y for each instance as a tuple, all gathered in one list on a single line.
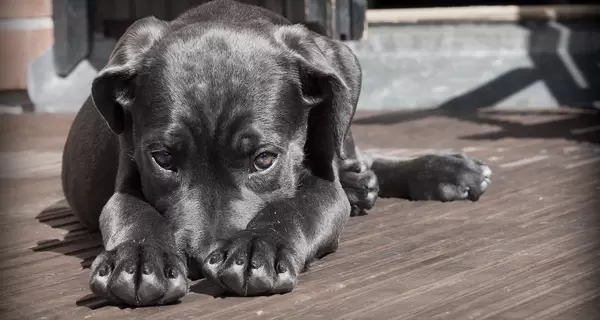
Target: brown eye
[(163, 159), (264, 160)]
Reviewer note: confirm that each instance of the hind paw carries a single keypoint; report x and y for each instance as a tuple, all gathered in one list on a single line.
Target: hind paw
[(448, 178), (360, 184)]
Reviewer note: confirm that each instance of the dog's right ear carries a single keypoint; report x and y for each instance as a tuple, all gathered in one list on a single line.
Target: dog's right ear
[(114, 88)]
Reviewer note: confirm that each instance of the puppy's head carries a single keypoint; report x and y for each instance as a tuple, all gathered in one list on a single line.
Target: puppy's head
[(223, 120)]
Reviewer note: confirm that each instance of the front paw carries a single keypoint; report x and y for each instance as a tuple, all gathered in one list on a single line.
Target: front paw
[(139, 274), (254, 263), (449, 178)]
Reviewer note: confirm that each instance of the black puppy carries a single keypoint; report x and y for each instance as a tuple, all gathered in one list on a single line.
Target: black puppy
[(218, 145)]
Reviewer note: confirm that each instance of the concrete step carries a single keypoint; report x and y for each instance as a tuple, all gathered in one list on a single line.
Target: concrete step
[(530, 63)]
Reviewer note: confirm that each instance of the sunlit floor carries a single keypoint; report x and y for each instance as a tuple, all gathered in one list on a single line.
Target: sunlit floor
[(527, 250)]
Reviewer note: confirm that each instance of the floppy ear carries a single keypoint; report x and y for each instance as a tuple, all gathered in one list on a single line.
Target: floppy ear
[(325, 91), (114, 87)]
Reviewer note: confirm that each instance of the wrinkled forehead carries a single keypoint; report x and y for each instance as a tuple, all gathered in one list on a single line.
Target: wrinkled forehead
[(221, 62), (220, 79)]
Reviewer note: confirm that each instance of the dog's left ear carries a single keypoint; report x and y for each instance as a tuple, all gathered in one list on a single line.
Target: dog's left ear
[(325, 91)]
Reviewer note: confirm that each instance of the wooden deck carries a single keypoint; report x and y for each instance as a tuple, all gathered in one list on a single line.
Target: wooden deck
[(528, 249)]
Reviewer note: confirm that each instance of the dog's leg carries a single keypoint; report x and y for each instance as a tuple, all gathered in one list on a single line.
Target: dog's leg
[(439, 177), (141, 264), (277, 244), (89, 165)]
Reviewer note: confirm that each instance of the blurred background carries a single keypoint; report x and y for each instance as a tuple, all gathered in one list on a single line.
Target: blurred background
[(415, 54)]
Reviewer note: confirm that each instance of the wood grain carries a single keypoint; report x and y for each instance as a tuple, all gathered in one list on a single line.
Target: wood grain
[(527, 250)]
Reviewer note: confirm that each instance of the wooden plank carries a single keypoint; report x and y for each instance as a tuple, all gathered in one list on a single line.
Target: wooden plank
[(526, 250)]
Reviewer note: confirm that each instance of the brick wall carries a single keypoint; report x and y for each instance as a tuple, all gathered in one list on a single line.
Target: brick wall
[(25, 32)]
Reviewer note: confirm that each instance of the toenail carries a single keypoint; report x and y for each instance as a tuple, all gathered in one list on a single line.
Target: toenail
[(371, 196), (371, 184), (256, 264), (147, 270), (103, 271), (239, 261), (486, 171), (130, 269), (215, 259), (171, 273), (281, 268)]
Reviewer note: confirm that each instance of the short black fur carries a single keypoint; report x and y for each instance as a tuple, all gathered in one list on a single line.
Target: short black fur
[(162, 158)]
